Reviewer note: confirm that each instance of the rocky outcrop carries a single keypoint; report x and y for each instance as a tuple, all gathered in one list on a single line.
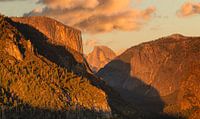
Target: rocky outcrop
[(57, 33), (14, 51), (99, 57), (166, 69)]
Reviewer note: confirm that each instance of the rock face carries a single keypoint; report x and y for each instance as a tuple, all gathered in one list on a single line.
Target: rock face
[(99, 57), (40, 79), (43, 30), (166, 70), (57, 33), (13, 50)]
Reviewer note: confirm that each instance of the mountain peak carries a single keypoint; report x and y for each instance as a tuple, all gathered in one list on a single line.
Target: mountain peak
[(100, 46), (104, 48), (176, 36), (100, 56)]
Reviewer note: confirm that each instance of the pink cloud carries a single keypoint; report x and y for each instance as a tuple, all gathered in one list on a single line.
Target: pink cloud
[(189, 9), (95, 16)]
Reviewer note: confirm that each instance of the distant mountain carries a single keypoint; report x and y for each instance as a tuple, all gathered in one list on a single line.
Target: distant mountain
[(43, 74), (159, 76), (99, 57)]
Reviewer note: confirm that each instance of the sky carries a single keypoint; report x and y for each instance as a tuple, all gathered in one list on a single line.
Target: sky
[(118, 24)]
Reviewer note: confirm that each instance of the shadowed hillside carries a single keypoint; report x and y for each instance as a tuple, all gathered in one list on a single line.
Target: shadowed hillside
[(160, 76), (39, 79)]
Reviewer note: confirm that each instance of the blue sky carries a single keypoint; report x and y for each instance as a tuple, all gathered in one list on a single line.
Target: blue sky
[(164, 22)]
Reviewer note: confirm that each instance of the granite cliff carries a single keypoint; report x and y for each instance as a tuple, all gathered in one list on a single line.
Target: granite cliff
[(99, 57), (163, 74), (43, 78), (57, 33)]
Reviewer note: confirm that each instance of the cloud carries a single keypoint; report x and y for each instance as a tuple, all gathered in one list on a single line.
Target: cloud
[(95, 16), (189, 9), (91, 43)]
